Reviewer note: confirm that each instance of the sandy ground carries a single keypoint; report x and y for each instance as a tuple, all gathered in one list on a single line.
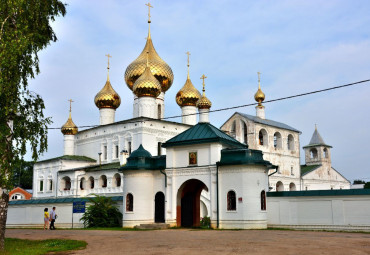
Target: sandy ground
[(187, 241)]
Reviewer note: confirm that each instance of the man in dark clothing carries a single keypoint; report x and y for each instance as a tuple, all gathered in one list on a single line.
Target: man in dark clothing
[(53, 216)]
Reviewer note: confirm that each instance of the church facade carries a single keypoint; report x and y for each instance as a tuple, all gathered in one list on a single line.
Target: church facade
[(176, 173)]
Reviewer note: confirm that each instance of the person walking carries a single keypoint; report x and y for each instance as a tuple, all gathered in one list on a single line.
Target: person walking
[(46, 219), (53, 216)]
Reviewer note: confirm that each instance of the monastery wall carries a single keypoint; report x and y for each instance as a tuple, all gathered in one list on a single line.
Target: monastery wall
[(320, 209)]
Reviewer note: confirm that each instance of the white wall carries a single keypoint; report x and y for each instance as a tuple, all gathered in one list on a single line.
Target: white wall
[(320, 212)]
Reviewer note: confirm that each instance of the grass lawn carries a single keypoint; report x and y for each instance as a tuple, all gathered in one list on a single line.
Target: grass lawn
[(33, 247)]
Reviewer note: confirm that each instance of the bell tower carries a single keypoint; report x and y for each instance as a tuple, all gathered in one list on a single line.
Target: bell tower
[(317, 151)]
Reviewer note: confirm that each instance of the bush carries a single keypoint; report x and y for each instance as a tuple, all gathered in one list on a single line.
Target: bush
[(205, 222), (367, 185), (102, 213)]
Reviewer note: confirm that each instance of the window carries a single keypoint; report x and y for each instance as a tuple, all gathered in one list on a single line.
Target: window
[(159, 148), (292, 187), (279, 186), (326, 153), (116, 151), (91, 182), (129, 148), (291, 171), (103, 181), (313, 153), (277, 140), (233, 129), (82, 183), (66, 183), (129, 203), (245, 133), (116, 180), (105, 152), (41, 186), (159, 111), (193, 158), (262, 137), (17, 196), (263, 200), (50, 185), (231, 201), (290, 142)]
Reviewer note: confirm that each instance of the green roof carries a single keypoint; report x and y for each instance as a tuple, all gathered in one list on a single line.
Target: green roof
[(202, 133), (305, 169), (58, 200), (243, 156), (315, 193), (140, 152), (114, 165), (70, 157), (142, 159)]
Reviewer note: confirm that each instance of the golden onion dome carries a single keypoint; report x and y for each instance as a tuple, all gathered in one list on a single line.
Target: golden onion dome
[(160, 69), (188, 95), (107, 97), (204, 102), (259, 96), (69, 128), (147, 85)]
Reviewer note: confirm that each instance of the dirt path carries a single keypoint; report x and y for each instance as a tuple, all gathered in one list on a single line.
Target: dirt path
[(274, 242)]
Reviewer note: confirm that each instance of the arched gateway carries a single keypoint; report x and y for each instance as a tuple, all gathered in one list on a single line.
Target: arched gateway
[(188, 203)]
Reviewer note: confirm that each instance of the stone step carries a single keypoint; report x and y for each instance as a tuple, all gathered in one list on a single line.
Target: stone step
[(153, 226)]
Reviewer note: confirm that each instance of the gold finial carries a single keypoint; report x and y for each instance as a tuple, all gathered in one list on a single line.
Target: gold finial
[(69, 128), (70, 106), (188, 53), (315, 126), (203, 77), (108, 56), (259, 96), (149, 21)]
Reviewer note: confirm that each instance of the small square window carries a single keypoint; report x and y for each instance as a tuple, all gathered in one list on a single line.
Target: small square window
[(193, 159)]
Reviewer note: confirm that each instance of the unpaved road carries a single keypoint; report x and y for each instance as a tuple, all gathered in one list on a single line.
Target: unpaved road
[(183, 241)]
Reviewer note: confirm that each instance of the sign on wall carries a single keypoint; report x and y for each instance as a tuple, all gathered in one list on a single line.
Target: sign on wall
[(79, 207)]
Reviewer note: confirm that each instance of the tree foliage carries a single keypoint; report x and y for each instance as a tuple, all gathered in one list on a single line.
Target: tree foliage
[(367, 185), (23, 175), (24, 31), (102, 213), (358, 182)]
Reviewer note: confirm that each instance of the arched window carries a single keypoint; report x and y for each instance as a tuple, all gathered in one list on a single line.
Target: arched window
[(262, 137), (279, 186), (231, 201), (290, 142), (66, 183), (277, 140), (103, 181), (17, 196), (292, 187), (313, 153), (245, 129), (91, 182), (263, 200), (82, 183), (50, 185), (159, 111), (233, 129), (326, 153), (116, 180), (129, 203)]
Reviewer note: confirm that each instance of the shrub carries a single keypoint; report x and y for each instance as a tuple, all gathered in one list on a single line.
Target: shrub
[(102, 213), (205, 222)]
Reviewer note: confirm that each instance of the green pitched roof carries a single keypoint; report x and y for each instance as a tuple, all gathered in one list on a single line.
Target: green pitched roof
[(202, 133), (58, 200), (70, 157), (243, 156), (305, 169), (142, 159)]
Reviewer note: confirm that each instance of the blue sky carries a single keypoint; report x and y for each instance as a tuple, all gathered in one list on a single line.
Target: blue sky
[(298, 46)]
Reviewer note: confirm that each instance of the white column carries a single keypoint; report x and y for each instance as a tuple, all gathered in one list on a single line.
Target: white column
[(260, 111), (190, 119), (160, 105), (107, 116), (136, 107), (69, 145), (147, 107), (203, 115)]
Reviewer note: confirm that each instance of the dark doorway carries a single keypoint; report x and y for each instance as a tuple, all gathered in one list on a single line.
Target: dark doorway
[(188, 203), (159, 208), (187, 210)]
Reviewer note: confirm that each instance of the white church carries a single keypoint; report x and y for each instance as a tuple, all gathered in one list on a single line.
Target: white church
[(176, 173)]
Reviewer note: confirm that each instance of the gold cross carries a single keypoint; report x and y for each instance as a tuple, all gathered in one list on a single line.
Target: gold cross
[(188, 53), (149, 6), (203, 77), (70, 105), (108, 56), (259, 76)]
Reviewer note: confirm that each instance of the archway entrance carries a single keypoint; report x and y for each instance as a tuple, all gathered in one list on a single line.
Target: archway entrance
[(188, 203), (159, 208)]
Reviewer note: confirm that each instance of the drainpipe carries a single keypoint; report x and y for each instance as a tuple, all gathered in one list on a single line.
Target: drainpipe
[(218, 214), (276, 170), (165, 178)]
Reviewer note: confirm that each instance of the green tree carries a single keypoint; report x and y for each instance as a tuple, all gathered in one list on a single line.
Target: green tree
[(24, 31), (23, 176), (367, 185), (102, 213), (358, 182)]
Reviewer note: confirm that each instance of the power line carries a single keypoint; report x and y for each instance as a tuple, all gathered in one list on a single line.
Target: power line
[(247, 105)]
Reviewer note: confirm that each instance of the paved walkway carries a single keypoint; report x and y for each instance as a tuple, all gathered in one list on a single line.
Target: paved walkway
[(180, 241)]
